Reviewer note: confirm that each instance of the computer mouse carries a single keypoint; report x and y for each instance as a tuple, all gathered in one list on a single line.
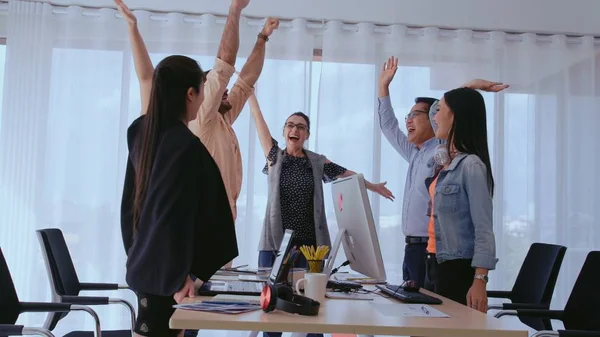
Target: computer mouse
[(410, 286)]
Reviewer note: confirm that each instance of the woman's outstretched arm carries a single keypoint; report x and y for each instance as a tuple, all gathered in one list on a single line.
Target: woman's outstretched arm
[(264, 135), (141, 59), (378, 188)]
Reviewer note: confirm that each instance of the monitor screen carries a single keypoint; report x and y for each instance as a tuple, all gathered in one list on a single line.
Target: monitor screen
[(354, 217), (284, 250)]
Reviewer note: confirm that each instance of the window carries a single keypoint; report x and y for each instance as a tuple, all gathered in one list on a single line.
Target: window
[(2, 62)]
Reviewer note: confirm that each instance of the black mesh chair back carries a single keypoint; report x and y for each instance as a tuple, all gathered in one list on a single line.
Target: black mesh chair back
[(538, 274), (64, 276), (582, 311), (60, 268), (11, 308), (9, 301), (64, 281), (536, 280)]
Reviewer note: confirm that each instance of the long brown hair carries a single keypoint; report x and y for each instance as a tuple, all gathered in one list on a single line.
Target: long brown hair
[(469, 130), (172, 79)]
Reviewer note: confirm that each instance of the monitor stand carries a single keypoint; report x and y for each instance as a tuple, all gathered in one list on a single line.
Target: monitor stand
[(334, 251), (330, 265)]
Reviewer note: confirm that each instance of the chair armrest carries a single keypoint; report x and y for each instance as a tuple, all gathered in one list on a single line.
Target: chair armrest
[(498, 294), (19, 330), (44, 307), (517, 306), (84, 300), (11, 330), (99, 286), (578, 333), (536, 313), (539, 313)]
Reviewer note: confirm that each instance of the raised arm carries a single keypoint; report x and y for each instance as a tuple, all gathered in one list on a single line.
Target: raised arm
[(387, 119), (253, 67), (230, 40), (334, 171), (485, 85), (141, 59), (218, 78), (264, 135), (251, 71)]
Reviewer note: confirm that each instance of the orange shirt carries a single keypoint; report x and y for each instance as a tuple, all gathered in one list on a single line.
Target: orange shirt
[(431, 227), (215, 129)]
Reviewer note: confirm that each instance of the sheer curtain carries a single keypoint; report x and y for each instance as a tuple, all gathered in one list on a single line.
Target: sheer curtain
[(70, 94), (71, 91), (541, 130)]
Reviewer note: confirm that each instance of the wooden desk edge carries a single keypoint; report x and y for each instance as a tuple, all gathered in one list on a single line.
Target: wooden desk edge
[(430, 331), (176, 322)]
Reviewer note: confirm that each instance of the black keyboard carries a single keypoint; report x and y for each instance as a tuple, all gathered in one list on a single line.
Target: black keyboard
[(343, 285), (398, 293)]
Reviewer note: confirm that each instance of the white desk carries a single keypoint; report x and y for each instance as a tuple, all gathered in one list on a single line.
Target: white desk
[(356, 317)]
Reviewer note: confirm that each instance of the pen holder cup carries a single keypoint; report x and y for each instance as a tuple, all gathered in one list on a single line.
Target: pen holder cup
[(315, 266)]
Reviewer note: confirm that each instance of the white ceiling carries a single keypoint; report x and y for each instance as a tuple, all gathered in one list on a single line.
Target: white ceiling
[(546, 16)]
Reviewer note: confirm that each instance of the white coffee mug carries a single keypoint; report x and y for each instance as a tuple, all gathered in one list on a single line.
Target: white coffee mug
[(315, 285)]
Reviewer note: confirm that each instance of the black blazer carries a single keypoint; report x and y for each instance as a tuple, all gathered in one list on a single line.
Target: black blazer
[(186, 226)]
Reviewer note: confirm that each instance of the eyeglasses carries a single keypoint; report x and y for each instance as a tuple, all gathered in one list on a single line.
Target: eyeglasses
[(291, 125), (413, 114)]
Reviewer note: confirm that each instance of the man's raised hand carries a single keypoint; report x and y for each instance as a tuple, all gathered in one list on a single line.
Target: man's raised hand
[(388, 71), (270, 25), (126, 12), (239, 4)]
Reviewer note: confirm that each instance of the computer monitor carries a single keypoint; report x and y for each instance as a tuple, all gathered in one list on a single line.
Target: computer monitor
[(283, 253), (357, 231)]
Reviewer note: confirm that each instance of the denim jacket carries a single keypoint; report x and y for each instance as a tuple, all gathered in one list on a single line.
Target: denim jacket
[(463, 213)]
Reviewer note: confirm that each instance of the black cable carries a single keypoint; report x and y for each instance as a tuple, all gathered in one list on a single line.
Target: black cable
[(380, 293), (335, 270), (398, 288)]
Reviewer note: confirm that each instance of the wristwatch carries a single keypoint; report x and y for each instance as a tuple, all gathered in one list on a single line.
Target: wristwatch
[(482, 277), (263, 36)]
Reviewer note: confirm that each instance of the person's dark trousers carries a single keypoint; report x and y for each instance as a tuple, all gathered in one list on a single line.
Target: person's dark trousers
[(451, 279), (413, 267), (266, 259)]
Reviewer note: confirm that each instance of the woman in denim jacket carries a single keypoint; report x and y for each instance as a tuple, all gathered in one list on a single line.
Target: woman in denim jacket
[(461, 248)]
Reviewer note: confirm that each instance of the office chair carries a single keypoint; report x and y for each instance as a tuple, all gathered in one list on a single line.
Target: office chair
[(11, 308), (535, 283), (65, 284), (581, 316)]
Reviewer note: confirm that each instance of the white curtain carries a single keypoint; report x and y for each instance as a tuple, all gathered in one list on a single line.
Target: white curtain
[(542, 131), (70, 94), (71, 91)]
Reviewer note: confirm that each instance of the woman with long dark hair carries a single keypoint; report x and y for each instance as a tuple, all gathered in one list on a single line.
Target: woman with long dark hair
[(175, 216), (461, 247)]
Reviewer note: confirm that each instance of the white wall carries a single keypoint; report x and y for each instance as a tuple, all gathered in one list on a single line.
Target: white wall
[(546, 16)]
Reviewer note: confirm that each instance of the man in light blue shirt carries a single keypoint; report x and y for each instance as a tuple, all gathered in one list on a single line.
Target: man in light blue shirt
[(417, 147)]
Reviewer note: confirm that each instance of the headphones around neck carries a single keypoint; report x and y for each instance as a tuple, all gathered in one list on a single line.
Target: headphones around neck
[(282, 297)]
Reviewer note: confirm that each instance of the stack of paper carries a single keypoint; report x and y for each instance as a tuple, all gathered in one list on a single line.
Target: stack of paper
[(219, 307)]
